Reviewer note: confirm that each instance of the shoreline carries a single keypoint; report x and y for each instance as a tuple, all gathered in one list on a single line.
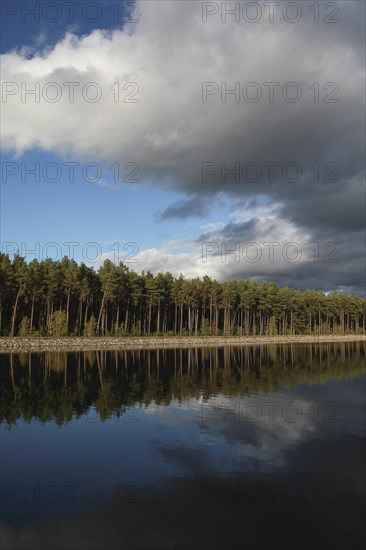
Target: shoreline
[(75, 343)]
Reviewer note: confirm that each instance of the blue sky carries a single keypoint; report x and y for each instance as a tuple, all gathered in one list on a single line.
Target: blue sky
[(83, 211), (164, 55), (35, 24)]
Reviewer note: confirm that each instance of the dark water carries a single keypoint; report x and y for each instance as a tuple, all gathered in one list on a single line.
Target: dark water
[(248, 448)]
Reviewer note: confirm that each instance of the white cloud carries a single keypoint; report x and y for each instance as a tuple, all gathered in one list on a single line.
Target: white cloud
[(267, 238), (168, 54), (212, 226)]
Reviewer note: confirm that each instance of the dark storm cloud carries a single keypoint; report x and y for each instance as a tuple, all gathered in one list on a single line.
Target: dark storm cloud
[(325, 259)]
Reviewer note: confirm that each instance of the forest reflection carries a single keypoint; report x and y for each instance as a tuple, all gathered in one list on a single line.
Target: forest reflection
[(60, 386)]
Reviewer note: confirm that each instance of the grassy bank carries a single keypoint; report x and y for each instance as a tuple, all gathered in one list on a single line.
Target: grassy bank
[(18, 344)]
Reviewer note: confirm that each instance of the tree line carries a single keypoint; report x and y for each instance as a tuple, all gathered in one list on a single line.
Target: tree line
[(60, 298)]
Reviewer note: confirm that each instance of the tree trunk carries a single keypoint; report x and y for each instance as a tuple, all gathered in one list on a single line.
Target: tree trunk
[(126, 318), (181, 317), (149, 322), (158, 319), (175, 316), (117, 320), (15, 312), (100, 313), (67, 310), (31, 318), (86, 316)]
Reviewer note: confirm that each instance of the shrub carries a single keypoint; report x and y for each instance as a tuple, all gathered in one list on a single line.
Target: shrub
[(24, 327), (90, 327), (58, 324)]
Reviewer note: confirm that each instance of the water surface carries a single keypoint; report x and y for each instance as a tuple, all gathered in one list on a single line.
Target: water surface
[(256, 447)]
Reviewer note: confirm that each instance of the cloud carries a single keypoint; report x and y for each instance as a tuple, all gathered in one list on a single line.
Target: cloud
[(183, 209), (185, 145), (266, 247), (170, 131)]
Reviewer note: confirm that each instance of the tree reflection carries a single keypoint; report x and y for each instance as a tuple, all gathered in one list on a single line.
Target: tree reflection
[(61, 386)]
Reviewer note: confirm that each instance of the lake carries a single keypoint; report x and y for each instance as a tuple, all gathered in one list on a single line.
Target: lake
[(237, 447)]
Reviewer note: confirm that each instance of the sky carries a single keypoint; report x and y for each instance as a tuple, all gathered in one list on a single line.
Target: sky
[(218, 138)]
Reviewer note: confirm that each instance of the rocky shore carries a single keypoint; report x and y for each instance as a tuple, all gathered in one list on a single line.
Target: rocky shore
[(18, 344)]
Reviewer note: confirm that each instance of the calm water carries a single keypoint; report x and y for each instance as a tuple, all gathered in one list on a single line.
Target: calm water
[(250, 448)]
